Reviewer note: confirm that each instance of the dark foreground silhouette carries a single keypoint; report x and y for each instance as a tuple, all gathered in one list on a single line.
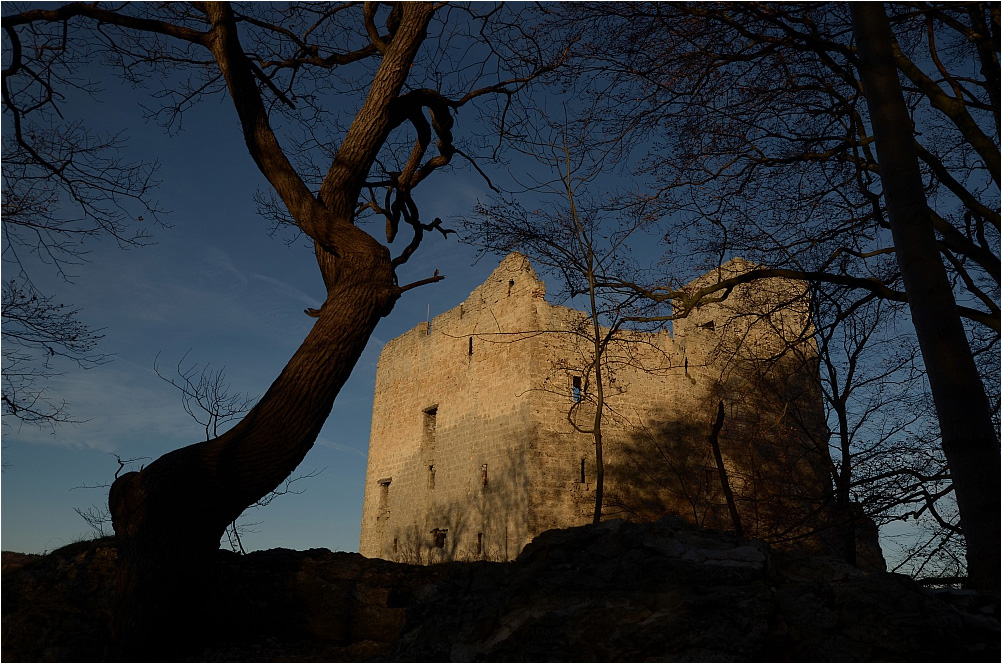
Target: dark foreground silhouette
[(663, 591)]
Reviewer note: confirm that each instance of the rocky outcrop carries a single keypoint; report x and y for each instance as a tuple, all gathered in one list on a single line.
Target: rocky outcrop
[(668, 591), (276, 605), (665, 591), (57, 607)]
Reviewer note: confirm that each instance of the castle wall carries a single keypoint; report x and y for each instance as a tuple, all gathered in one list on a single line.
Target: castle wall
[(501, 370), (475, 376)]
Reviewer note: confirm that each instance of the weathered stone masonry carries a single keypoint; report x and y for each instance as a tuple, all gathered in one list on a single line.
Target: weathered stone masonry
[(472, 453)]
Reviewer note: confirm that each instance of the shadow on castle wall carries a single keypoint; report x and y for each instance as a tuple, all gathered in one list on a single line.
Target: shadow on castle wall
[(490, 522), (754, 353), (773, 444)]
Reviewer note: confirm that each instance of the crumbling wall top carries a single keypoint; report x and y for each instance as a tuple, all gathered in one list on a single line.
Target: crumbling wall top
[(514, 277)]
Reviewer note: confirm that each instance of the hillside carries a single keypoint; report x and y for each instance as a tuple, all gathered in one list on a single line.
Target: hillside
[(663, 591)]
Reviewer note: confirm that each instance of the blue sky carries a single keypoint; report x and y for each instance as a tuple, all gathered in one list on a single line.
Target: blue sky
[(217, 285)]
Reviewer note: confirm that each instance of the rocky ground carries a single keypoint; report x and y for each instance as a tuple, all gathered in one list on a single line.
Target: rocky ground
[(619, 591)]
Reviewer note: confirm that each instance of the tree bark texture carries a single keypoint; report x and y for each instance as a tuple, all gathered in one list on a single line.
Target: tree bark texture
[(968, 437), (169, 517)]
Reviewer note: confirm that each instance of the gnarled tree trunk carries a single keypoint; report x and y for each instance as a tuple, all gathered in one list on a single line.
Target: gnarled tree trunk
[(169, 517)]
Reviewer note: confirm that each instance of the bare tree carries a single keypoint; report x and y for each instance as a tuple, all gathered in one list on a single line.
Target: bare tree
[(585, 232), (205, 395), (569, 235), (969, 439), (765, 148), (291, 67), (885, 462), (98, 518), (40, 335), (62, 185), (54, 200)]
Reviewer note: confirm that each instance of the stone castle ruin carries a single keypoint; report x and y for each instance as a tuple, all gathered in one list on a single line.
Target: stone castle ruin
[(472, 451)]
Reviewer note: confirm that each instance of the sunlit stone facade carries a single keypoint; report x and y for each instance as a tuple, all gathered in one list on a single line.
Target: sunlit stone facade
[(473, 452)]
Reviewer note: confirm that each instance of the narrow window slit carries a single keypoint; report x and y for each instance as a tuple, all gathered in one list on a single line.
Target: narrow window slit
[(383, 511), (430, 426)]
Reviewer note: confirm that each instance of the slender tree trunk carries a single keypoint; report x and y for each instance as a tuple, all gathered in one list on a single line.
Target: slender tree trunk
[(969, 441), (843, 480), (597, 436), (599, 349), (725, 484), (599, 343)]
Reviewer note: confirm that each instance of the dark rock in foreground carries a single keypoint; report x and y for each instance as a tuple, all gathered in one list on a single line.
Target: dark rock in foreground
[(620, 591), (670, 592)]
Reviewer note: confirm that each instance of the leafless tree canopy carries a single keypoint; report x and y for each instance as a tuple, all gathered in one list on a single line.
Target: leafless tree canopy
[(754, 133), (345, 109), (754, 129), (756, 137)]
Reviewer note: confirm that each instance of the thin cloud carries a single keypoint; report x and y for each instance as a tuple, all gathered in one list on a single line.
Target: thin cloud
[(340, 447), (290, 291), (120, 413), (216, 257)]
